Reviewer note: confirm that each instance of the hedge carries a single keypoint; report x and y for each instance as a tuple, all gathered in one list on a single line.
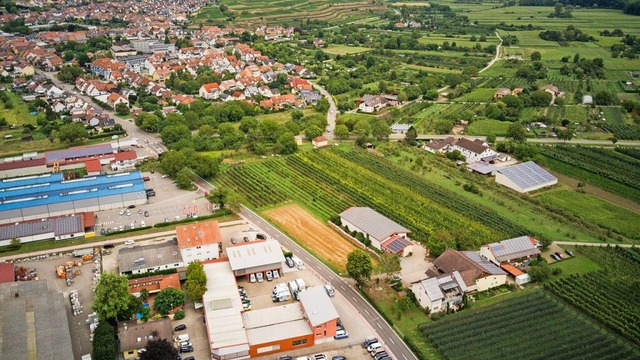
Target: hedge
[(152, 273), (217, 214)]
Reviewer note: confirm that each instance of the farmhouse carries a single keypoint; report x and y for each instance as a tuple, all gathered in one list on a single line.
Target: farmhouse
[(472, 150), (525, 177), (510, 250), (134, 336), (502, 92), (400, 128), (439, 146), (477, 273), (438, 293), (373, 103), (199, 241), (381, 230), (251, 258)]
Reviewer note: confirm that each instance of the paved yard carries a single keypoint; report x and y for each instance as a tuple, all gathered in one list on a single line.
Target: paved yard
[(415, 266)]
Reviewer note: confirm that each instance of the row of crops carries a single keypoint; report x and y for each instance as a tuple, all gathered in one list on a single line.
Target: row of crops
[(623, 131), (529, 326), (604, 168), (330, 181), (496, 82), (629, 151), (610, 295)]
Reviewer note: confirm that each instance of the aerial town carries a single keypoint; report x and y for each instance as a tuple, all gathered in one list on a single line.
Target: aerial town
[(318, 180)]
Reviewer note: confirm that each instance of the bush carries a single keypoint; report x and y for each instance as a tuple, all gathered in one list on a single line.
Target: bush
[(179, 315)]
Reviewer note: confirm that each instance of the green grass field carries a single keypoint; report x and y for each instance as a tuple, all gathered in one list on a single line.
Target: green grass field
[(488, 127), (478, 95), (282, 116), (19, 114), (340, 49), (595, 210)]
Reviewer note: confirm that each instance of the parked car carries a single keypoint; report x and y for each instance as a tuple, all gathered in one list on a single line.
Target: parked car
[(570, 253), (246, 306), (139, 211), (186, 343), (269, 275), (252, 278), (339, 357), (180, 327), (380, 355), (319, 357), (341, 334), (370, 340), (374, 346), (554, 257), (558, 255), (146, 214), (286, 357), (233, 240), (261, 236), (103, 231), (189, 358), (186, 349), (290, 262), (329, 290), (396, 278), (108, 245), (129, 242), (128, 213), (260, 277), (121, 212), (131, 206), (276, 274)]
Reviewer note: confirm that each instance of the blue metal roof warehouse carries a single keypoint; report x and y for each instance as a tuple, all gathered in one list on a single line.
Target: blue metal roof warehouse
[(49, 195)]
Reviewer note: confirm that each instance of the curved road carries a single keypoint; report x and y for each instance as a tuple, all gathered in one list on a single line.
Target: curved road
[(392, 341), (152, 143), (331, 115), (495, 58)]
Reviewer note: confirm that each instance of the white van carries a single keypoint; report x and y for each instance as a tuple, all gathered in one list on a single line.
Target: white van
[(297, 262), (329, 289), (182, 338), (374, 347)]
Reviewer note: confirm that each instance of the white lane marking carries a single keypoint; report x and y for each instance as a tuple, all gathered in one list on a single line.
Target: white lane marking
[(390, 339), (365, 310), (354, 299), (377, 323), (343, 288), (405, 358)]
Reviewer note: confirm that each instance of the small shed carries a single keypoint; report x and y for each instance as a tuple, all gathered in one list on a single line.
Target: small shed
[(587, 100), (319, 142), (519, 276), (298, 139)]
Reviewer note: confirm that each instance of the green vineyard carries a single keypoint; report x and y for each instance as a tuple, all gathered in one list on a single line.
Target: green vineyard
[(611, 295), (529, 326), (330, 181), (596, 166)]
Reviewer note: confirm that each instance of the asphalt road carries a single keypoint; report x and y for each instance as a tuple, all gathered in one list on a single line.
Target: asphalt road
[(331, 115), (151, 142), (384, 332)]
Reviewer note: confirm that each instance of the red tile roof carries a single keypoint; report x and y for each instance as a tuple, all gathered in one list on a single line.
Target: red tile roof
[(125, 155), (93, 165), (7, 272)]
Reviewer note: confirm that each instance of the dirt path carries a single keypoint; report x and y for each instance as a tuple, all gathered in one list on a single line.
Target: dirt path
[(602, 194), (312, 234)]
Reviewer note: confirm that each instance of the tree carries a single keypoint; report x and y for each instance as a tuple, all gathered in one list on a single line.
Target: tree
[(111, 297), (362, 127), (536, 56), (159, 349), (167, 299), (312, 132), (410, 136), (359, 266), (287, 144), (234, 202), (614, 140), (565, 135), (122, 109), (380, 130), (15, 243), (444, 126), (71, 133), (104, 342), (389, 263), (491, 138), (218, 197), (144, 294), (341, 131), (516, 132), (196, 284), (174, 133), (184, 178), (540, 272)]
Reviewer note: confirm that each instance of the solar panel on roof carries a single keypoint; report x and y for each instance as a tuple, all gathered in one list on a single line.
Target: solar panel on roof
[(527, 175)]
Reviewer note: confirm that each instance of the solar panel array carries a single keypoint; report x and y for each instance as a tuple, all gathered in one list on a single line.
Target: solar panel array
[(397, 245), (78, 152), (527, 175), (59, 226)]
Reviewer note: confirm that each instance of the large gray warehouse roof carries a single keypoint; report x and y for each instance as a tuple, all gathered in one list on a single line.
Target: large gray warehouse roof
[(372, 222), (61, 225), (515, 248), (148, 256), (254, 255), (34, 324)]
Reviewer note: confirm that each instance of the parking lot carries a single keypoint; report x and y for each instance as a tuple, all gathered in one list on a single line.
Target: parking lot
[(83, 282), (168, 203)]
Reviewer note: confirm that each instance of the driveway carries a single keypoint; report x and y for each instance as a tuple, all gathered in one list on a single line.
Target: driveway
[(415, 266), (331, 115)]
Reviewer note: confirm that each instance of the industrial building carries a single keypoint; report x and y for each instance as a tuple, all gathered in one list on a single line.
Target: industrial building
[(525, 177), (246, 259), (384, 233), (140, 259), (33, 321), (58, 228), (49, 195), (276, 329)]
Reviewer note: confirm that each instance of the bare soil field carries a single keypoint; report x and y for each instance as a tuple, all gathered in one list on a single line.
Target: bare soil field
[(313, 234)]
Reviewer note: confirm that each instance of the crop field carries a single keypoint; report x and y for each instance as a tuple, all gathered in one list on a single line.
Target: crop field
[(288, 11), (313, 234), (488, 127), (575, 113), (595, 210), (532, 325), (609, 295), (340, 49), (499, 82), (439, 111), (613, 114), (478, 95), (598, 167), (330, 181)]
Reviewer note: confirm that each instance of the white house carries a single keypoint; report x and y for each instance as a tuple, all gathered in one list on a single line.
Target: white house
[(438, 293), (472, 150), (123, 161), (210, 91), (199, 241), (372, 103), (477, 272)]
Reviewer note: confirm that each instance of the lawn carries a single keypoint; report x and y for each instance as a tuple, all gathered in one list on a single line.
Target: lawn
[(478, 95), (19, 114), (595, 210), (577, 265), (356, 116), (488, 127), (340, 49), (282, 116)]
